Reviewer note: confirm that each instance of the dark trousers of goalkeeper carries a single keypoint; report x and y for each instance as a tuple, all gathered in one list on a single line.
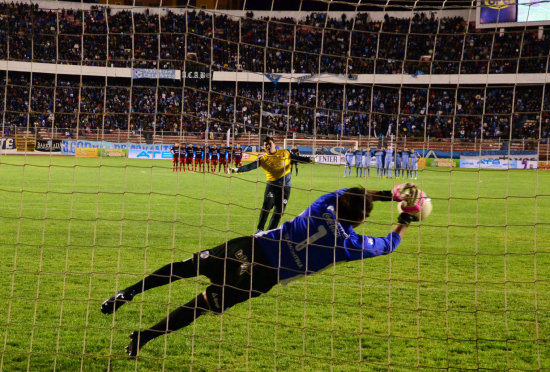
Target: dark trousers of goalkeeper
[(276, 198), (237, 269)]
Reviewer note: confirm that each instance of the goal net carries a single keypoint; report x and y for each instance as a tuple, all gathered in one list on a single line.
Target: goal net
[(120, 124), (324, 151)]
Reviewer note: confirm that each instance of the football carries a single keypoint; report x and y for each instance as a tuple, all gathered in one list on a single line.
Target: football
[(419, 205)]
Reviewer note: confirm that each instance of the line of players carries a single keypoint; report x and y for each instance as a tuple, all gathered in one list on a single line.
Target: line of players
[(405, 165), (205, 158)]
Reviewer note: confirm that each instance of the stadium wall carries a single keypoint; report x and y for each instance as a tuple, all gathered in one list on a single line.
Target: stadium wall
[(257, 77)]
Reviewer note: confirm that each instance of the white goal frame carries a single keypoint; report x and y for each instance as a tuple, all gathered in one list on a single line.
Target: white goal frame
[(316, 144), (334, 158)]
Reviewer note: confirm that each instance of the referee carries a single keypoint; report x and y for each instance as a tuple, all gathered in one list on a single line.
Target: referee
[(276, 164), (294, 163)]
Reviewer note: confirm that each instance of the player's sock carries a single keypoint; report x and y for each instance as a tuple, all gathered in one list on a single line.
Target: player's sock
[(179, 318)]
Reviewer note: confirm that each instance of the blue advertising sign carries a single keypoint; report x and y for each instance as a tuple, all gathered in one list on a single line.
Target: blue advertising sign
[(148, 154), (495, 11), (149, 73)]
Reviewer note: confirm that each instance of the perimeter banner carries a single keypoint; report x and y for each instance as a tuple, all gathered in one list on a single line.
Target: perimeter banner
[(328, 159), (473, 162), (149, 73), (149, 154), (86, 153), (113, 153), (7, 144), (48, 145)]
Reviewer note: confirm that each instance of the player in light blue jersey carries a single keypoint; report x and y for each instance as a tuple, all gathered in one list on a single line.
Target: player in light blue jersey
[(358, 162), (397, 163), (348, 159), (405, 162), (379, 155), (388, 160), (414, 164), (249, 266), (366, 160)]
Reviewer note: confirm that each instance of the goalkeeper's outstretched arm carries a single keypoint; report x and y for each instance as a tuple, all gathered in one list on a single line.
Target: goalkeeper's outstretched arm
[(245, 168), (302, 159)]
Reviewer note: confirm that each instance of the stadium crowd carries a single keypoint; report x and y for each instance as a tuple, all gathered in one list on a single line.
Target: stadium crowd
[(92, 103), (317, 43)]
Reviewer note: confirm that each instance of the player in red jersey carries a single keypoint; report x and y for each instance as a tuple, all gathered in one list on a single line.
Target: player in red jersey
[(214, 159), (189, 156), (175, 150), (238, 156), (199, 158), (228, 157), (182, 157), (223, 158), (207, 158), (196, 154)]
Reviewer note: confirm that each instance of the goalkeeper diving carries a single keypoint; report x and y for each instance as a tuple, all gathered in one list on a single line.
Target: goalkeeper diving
[(249, 266), (277, 167)]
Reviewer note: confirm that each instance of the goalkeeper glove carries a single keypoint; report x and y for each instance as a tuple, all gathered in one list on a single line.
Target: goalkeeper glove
[(232, 170), (406, 219), (312, 160), (403, 191)]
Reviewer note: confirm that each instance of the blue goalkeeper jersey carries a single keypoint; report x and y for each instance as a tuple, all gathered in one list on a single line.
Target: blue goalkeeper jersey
[(315, 240)]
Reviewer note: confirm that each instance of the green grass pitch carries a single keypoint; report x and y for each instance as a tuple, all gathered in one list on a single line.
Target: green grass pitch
[(467, 289)]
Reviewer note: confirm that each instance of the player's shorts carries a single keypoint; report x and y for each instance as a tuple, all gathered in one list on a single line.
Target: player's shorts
[(214, 162), (175, 159), (182, 160), (238, 271), (276, 196), (238, 162)]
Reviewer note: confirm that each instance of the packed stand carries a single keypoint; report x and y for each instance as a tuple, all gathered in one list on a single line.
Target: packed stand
[(318, 43), (172, 107)]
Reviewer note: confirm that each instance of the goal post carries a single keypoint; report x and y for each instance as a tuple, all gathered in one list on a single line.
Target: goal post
[(325, 151)]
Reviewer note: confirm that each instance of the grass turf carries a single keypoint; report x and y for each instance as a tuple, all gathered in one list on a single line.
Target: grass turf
[(466, 289)]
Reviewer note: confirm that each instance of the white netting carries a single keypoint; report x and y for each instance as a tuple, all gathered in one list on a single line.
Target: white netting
[(115, 87)]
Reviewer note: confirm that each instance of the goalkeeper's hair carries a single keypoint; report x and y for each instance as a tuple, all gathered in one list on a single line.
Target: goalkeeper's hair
[(354, 205)]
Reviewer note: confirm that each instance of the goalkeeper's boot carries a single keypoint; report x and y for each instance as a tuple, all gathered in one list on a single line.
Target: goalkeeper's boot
[(135, 344), (112, 304)]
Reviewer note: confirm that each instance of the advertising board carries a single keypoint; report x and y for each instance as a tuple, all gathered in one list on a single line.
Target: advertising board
[(148, 154), (83, 152)]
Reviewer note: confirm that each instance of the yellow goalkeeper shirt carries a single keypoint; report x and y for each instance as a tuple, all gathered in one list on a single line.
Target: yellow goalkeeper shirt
[(275, 166)]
